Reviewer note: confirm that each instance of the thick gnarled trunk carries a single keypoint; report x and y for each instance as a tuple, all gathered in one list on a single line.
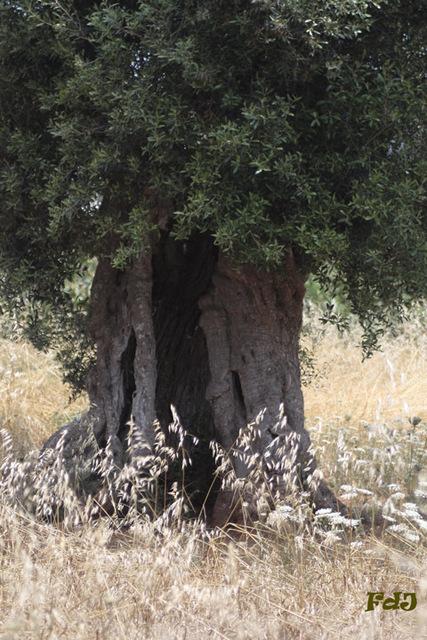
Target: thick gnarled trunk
[(252, 321), (123, 383), (183, 326)]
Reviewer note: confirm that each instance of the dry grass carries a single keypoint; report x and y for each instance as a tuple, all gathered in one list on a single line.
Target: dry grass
[(390, 385), (33, 400), (95, 584), (287, 580)]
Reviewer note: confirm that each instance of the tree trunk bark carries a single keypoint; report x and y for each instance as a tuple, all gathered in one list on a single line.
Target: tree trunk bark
[(184, 327), (123, 382), (252, 321)]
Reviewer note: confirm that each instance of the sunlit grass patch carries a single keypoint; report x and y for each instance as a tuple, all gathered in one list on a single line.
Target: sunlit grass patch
[(33, 399)]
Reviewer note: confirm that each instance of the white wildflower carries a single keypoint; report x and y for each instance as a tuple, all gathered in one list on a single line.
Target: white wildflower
[(331, 538), (411, 536), (422, 524), (351, 522), (357, 544), (322, 512)]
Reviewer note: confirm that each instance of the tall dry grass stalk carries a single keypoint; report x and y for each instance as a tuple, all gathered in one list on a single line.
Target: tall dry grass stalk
[(295, 576)]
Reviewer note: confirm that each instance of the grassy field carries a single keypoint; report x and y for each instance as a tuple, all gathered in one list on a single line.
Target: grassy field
[(291, 578)]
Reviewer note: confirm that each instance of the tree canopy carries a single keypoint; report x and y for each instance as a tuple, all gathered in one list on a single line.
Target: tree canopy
[(270, 124)]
